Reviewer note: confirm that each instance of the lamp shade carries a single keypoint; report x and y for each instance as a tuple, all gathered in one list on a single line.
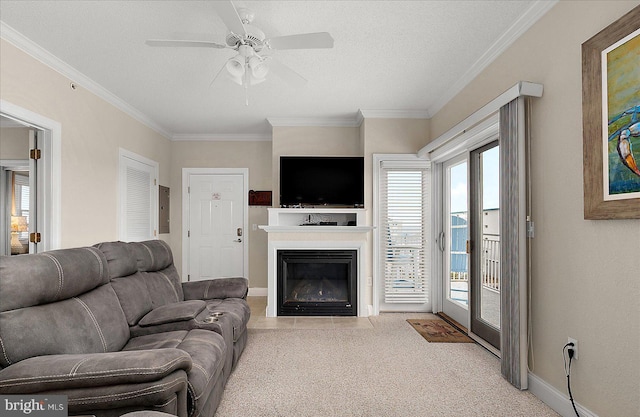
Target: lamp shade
[(19, 224), (259, 68), (235, 66)]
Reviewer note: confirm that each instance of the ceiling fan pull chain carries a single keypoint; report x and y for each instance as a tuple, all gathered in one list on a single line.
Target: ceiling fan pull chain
[(246, 87)]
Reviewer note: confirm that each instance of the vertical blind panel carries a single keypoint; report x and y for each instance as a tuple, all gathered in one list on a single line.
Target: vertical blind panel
[(138, 195), (403, 199)]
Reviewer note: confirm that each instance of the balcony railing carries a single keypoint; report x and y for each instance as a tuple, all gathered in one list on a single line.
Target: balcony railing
[(490, 264)]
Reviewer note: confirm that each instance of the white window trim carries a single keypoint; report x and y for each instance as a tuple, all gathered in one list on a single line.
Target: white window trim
[(122, 218), (411, 160)]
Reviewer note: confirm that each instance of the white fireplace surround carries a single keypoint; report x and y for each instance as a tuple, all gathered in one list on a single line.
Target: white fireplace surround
[(272, 279), (281, 225)]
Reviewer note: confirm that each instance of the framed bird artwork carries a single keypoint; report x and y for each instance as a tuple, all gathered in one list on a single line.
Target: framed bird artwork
[(611, 120)]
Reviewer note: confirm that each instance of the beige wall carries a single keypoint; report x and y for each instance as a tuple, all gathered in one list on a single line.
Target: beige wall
[(14, 143), (303, 141), (92, 132), (225, 154), (585, 274)]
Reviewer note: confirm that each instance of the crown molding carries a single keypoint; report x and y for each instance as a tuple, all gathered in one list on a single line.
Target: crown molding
[(313, 121), (347, 121), (519, 27), (221, 137), (393, 114), (36, 51)]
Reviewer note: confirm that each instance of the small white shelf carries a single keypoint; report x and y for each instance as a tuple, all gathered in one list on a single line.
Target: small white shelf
[(300, 216), (316, 229)]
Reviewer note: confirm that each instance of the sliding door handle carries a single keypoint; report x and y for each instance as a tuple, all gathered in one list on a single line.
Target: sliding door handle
[(441, 241)]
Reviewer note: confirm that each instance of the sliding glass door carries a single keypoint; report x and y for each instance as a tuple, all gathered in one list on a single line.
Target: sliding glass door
[(484, 232), (453, 240)]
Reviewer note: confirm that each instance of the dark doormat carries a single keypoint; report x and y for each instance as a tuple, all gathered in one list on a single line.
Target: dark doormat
[(438, 330)]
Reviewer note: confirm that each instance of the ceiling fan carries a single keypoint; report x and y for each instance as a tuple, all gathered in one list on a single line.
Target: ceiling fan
[(250, 65)]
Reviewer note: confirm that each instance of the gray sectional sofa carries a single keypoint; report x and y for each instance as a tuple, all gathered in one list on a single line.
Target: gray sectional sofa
[(114, 328)]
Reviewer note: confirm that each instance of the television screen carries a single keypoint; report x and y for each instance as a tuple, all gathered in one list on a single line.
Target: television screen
[(322, 180)]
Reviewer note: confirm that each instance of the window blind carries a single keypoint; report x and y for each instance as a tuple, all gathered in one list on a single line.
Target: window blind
[(138, 208), (403, 211)]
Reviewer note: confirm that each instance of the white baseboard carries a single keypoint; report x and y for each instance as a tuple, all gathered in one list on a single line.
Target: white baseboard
[(257, 292), (555, 399)]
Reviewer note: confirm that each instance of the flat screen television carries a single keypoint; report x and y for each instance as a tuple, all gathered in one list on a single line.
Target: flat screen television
[(322, 180)]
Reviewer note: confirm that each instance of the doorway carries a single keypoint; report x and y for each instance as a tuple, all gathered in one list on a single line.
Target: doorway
[(466, 260), (19, 197), (44, 178), (215, 213)]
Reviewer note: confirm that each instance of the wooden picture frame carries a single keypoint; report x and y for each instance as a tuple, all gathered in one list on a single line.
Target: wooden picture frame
[(259, 198), (596, 207)]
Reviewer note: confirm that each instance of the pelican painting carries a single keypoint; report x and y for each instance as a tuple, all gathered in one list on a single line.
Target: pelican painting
[(621, 76)]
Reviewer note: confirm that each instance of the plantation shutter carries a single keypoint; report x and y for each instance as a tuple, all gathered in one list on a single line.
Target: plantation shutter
[(404, 216), (138, 208)]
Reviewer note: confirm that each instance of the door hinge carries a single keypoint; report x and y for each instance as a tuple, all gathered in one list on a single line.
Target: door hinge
[(188, 233), (468, 247), (188, 277), (155, 181), (188, 190), (35, 237), (35, 154)]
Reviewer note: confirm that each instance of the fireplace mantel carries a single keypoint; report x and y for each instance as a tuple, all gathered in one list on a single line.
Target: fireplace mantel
[(309, 220)]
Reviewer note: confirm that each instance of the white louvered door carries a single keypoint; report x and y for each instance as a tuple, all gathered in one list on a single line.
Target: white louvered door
[(403, 236), (138, 196)]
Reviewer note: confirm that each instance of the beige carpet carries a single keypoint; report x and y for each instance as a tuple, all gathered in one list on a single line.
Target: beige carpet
[(387, 371)]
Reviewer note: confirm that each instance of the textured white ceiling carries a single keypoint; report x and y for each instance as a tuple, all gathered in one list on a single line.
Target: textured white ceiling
[(388, 55)]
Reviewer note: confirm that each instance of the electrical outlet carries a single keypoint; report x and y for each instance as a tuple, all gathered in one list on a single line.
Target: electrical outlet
[(575, 347)]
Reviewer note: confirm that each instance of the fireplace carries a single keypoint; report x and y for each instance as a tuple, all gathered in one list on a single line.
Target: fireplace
[(317, 282)]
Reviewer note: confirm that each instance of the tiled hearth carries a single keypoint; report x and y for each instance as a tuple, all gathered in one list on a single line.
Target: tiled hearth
[(259, 320)]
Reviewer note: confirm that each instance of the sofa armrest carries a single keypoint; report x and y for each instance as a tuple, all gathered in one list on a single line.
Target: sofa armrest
[(216, 288), (169, 313), (63, 372)]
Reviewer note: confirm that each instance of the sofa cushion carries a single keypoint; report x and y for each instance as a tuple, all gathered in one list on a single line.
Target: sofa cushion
[(169, 313), (89, 323), (54, 372), (163, 286), (207, 350), (133, 295), (50, 276), (152, 255), (121, 258)]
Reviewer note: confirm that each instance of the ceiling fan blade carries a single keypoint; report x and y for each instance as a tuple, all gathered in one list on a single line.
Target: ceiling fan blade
[(302, 41), (286, 74), (230, 17), (181, 43)]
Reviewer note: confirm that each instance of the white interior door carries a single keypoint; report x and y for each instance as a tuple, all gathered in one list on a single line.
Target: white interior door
[(217, 222)]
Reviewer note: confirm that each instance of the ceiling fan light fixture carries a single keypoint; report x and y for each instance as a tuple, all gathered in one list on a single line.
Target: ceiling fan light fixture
[(235, 66), (259, 68)]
